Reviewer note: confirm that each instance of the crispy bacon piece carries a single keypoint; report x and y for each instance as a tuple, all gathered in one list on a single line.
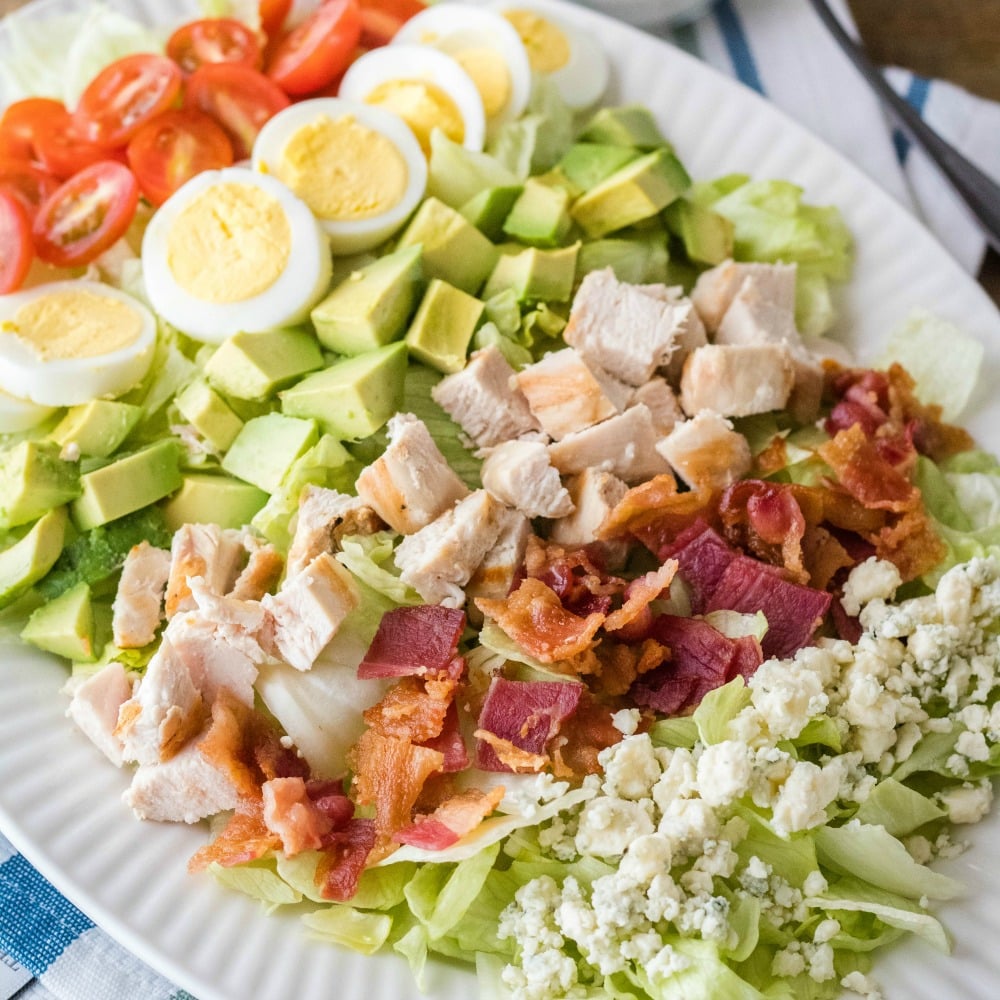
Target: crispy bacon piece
[(579, 580), (415, 640), (930, 434), (344, 859), (911, 543), (576, 748), (329, 798), (767, 520), (450, 743), (291, 815), (622, 663), (509, 756), (824, 556), (865, 474), (452, 820), (244, 838), (638, 595), (412, 710)]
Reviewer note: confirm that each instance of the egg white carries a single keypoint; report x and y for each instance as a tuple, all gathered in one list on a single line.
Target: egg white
[(454, 27), (18, 415), (418, 62), (584, 78), (67, 381), (349, 236), (304, 280)]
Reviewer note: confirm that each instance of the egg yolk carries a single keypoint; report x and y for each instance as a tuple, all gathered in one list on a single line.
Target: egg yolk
[(489, 73), (547, 44), (423, 106), (75, 324), (232, 242), (343, 170)]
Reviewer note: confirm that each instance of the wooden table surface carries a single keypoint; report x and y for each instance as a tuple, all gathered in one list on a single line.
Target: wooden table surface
[(957, 40)]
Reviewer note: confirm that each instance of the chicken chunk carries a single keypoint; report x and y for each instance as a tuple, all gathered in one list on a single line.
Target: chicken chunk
[(623, 445), (411, 483), (261, 573), (520, 474), (483, 400), (564, 394), (706, 452), (439, 560), (207, 551), (807, 392), (737, 380), (324, 517), (309, 609), (95, 706), (495, 574), (717, 289), (595, 493), (138, 604), (661, 401)]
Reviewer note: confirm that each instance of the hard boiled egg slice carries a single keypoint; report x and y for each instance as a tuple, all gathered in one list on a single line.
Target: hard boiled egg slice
[(358, 168), (570, 57), (485, 45), (18, 415), (424, 87), (234, 251), (68, 342)]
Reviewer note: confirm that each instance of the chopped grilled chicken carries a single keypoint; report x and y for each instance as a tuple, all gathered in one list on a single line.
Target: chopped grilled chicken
[(594, 492), (205, 550), (495, 574), (706, 452), (660, 399), (261, 573), (324, 517), (95, 706), (521, 474), (757, 284), (737, 380), (138, 605)]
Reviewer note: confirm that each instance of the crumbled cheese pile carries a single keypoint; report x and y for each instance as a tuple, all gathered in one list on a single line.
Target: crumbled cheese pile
[(671, 820)]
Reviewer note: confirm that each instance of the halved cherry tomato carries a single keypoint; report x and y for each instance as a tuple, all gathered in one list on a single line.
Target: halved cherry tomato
[(272, 15), (172, 148), (213, 40), (318, 50), (21, 121), (381, 19), (61, 152), (15, 243), (29, 184), (84, 216), (124, 96), (240, 99)]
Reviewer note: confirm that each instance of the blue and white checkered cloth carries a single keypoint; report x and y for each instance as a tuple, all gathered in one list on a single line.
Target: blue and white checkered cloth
[(777, 47)]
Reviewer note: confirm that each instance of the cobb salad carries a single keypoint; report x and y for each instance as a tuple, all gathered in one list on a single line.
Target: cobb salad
[(538, 587)]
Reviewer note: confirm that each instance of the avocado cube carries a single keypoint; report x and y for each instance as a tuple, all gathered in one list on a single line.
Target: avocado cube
[(489, 209), (64, 626), (371, 307), (440, 332), (535, 275), (540, 216), (586, 164), (206, 497), (26, 561), (97, 428), (707, 236), (353, 397), (627, 258), (209, 414), (628, 125), (34, 479), (454, 250), (127, 484), (637, 191), (267, 447), (256, 365)]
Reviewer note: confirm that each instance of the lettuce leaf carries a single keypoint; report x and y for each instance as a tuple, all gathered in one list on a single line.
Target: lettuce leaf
[(258, 880), (344, 925), (719, 707), (369, 558), (897, 808)]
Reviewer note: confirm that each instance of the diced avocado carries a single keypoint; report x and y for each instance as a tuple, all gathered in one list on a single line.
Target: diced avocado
[(247, 409), (127, 484), (627, 258), (97, 428), (222, 500), (34, 479), (540, 216), (440, 332), (535, 275), (267, 447), (354, 397), (31, 557), (455, 174), (489, 209), (637, 191), (586, 164), (629, 125), (370, 308), (256, 365), (707, 236), (209, 414), (64, 626), (454, 250)]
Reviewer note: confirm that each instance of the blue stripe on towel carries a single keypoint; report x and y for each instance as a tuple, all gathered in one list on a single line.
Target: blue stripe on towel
[(737, 44), (916, 96)]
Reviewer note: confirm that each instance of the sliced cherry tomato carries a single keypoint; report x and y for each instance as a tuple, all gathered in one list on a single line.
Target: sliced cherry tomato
[(272, 15), (240, 99), (29, 184), (15, 243), (213, 40), (20, 123), (173, 147), (125, 95), (61, 152), (84, 216), (318, 50), (381, 19)]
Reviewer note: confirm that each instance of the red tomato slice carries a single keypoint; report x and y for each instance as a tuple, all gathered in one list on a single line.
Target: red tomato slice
[(272, 15), (240, 99), (381, 19), (213, 40), (124, 96), (318, 50), (84, 216), (26, 182), (20, 123), (61, 152), (15, 243), (172, 148)]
